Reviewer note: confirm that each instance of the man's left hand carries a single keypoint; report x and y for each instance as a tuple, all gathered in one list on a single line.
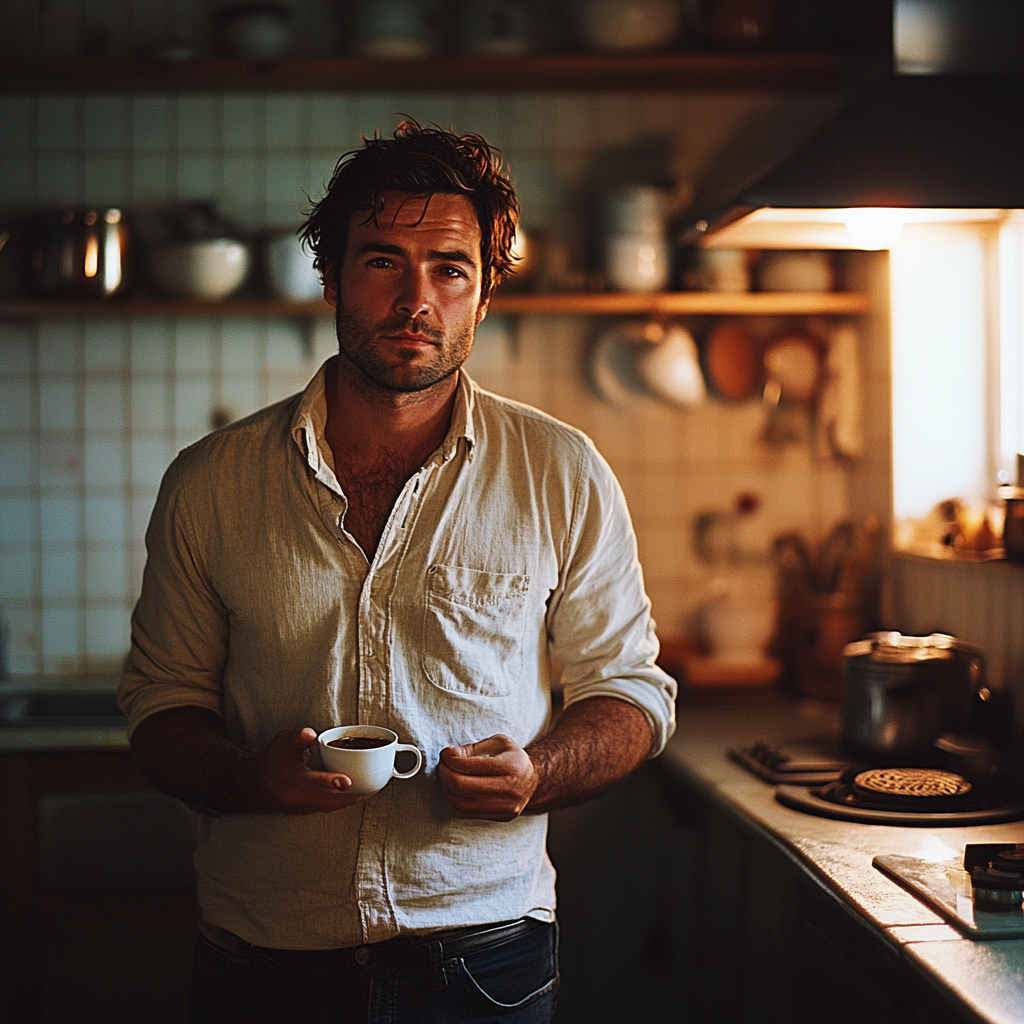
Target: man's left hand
[(492, 780)]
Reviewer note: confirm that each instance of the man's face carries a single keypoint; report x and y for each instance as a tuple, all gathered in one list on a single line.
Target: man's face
[(408, 291)]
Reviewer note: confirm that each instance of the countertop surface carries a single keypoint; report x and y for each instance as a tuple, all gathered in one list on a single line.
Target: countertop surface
[(986, 975), (84, 734)]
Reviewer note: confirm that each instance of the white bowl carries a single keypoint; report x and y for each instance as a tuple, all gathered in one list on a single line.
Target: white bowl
[(795, 270), (209, 269), (290, 269), (628, 24), (255, 30)]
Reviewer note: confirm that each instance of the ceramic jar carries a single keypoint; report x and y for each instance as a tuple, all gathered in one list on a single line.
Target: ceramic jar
[(637, 256)]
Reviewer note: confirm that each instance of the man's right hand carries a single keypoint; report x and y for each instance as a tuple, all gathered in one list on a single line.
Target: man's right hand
[(291, 784), (188, 753)]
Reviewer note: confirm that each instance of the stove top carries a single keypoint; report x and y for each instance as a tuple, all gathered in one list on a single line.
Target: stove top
[(816, 777), (903, 796), (951, 889), (811, 762)]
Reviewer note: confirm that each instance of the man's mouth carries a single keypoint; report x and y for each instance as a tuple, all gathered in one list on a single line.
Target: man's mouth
[(412, 335)]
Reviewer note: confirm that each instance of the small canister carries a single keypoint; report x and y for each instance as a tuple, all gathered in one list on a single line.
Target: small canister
[(1013, 525)]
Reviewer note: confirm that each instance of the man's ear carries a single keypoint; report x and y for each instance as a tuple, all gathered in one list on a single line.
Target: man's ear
[(481, 310), (331, 285)]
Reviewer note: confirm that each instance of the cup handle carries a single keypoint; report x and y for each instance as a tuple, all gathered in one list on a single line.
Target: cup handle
[(412, 771)]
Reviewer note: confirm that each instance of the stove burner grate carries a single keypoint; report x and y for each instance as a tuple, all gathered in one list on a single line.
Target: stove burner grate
[(912, 782), (906, 789)]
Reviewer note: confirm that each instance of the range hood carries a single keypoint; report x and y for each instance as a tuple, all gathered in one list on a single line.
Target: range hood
[(914, 147)]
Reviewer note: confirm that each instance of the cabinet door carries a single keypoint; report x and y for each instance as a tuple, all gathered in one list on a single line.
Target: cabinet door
[(99, 900)]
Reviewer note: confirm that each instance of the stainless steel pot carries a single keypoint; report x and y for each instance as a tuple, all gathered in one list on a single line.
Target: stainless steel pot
[(79, 253), (901, 693)]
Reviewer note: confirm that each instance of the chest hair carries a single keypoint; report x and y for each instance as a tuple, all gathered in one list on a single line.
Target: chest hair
[(372, 488)]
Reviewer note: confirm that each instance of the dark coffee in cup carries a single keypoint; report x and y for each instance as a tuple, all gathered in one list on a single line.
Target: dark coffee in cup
[(358, 742)]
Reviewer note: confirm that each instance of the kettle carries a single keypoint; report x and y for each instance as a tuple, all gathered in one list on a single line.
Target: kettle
[(901, 693), (79, 253)]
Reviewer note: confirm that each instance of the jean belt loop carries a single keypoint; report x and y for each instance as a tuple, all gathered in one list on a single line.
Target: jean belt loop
[(438, 965)]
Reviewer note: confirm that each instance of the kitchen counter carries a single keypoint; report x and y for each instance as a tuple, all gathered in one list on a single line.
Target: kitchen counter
[(92, 731), (985, 978)]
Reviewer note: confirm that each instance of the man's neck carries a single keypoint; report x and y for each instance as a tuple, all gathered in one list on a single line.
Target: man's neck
[(365, 422)]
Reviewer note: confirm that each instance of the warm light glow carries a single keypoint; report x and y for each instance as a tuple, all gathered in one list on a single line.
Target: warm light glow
[(772, 227), (92, 256), (111, 262), (937, 279), (935, 851), (874, 227), (1011, 347)]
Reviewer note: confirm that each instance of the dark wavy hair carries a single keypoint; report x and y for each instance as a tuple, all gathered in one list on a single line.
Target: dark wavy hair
[(421, 162)]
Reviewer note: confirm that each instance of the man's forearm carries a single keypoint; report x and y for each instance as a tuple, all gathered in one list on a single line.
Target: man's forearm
[(188, 753), (595, 743)]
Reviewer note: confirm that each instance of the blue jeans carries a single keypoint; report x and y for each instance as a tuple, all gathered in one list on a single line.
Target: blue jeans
[(419, 980)]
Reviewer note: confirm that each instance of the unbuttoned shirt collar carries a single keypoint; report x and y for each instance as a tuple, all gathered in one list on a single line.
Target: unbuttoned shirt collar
[(309, 426)]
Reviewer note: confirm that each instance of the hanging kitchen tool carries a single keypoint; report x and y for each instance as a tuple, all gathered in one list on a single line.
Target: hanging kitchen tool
[(840, 415), (730, 361), (792, 365), (636, 359)]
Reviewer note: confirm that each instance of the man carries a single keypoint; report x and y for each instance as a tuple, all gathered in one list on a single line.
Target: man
[(392, 547)]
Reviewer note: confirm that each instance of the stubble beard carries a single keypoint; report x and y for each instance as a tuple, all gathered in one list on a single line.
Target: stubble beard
[(360, 344)]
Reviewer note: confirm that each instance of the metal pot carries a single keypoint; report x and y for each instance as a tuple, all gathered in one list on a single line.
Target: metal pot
[(78, 253), (901, 693)]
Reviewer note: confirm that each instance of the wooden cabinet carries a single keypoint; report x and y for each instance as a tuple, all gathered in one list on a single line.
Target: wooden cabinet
[(674, 907), (109, 940)]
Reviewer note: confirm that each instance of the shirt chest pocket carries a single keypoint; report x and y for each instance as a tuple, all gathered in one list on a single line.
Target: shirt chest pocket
[(473, 629)]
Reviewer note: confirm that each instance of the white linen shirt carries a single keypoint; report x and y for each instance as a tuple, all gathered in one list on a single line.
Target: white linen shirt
[(509, 549)]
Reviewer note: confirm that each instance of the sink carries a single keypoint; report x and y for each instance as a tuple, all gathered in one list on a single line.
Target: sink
[(79, 705)]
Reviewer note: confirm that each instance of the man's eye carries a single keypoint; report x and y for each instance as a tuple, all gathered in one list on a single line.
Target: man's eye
[(451, 272), (380, 263)]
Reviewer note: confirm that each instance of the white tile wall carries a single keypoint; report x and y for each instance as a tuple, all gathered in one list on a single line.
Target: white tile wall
[(92, 411)]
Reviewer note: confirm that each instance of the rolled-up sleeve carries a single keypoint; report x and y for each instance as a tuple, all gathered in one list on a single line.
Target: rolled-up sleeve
[(599, 621), (180, 625)]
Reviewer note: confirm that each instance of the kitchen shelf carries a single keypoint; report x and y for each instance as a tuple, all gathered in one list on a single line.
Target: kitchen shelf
[(686, 303), (524, 304), (590, 72)]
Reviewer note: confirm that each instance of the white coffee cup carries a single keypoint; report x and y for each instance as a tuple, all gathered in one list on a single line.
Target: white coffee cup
[(369, 768)]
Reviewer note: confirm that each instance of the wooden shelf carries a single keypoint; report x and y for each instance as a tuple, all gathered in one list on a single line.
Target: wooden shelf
[(582, 304), (591, 72), (686, 304)]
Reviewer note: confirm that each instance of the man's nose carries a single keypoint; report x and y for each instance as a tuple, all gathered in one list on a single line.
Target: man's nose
[(412, 299)]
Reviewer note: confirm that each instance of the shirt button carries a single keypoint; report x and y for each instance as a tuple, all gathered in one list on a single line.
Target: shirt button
[(362, 956)]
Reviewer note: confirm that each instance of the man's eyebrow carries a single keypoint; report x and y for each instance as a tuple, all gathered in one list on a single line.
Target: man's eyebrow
[(370, 247), (451, 256), (387, 249)]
